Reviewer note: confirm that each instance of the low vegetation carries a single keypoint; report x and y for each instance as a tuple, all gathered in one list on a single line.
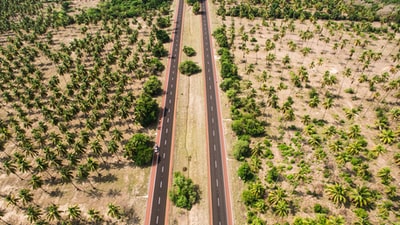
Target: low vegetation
[(184, 193), (189, 68)]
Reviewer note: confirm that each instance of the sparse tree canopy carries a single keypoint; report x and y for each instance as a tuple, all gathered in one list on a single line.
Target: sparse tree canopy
[(189, 51)]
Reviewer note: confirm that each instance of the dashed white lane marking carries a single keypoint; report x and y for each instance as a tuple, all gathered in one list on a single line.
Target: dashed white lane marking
[(212, 108), (218, 201), (162, 169), (166, 131), (169, 101), (215, 164), (212, 120), (167, 120), (216, 180), (159, 200), (213, 133), (157, 220), (215, 148), (165, 142), (164, 156), (161, 184)]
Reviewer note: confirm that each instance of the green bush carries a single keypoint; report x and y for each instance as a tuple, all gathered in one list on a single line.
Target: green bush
[(189, 51), (184, 193), (241, 150), (146, 110), (152, 86), (189, 68), (245, 173)]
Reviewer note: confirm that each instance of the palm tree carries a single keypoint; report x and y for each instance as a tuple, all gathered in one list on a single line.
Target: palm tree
[(36, 182), (337, 193), (92, 165), (384, 174), (114, 211), (94, 215), (33, 213), (52, 212), (387, 136), (361, 197), (66, 176), (25, 195), (11, 199), (277, 195), (281, 208), (74, 212)]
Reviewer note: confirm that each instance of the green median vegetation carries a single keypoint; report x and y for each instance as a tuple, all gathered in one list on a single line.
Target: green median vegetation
[(184, 193), (189, 68)]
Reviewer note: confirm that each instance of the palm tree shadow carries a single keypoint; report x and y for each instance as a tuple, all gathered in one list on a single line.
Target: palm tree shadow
[(109, 178)]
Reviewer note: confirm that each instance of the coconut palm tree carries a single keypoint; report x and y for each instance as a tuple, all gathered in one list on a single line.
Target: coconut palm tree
[(36, 182), (114, 211), (33, 213), (52, 212), (385, 176), (276, 195), (387, 136), (337, 193), (74, 213), (361, 197), (281, 208), (94, 216)]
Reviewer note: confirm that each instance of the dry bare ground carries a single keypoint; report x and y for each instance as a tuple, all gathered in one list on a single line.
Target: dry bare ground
[(117, 180), (190, 152), (330, 54)]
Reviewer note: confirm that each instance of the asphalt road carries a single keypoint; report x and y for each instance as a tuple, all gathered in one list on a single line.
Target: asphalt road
[(158, 208), (217, 182)]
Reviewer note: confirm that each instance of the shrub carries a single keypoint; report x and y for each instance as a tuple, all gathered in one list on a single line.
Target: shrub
[(189, 68), (245, 173), (139, 149), (189, 51), (184, 193)]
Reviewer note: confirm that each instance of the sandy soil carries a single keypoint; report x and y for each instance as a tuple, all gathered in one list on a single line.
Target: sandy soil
[(121, 183), (323, 57), (190, 153)]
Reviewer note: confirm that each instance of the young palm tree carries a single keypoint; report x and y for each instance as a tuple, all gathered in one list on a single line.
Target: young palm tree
[(52, 212), (387, 136), (36, 182), (114, 211), (33, 213), (74, 212), (281, 208), (276, 195), (25, 195), (94, 216), (385, 176), (337, 193), (361, 197)]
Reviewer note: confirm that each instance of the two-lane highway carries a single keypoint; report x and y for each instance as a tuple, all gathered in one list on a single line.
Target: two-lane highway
[(218, 186), (160, 187)]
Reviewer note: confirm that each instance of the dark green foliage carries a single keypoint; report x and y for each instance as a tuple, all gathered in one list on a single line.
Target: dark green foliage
[(159, 50), (189, 51), (162, 36), (220, 35), (319, 209), (196, 8), (152, 86), (146, 110), (139, 149), (247, 125), (241, 150), (319, 9), (272, 175), (126, 9), (191, 2), (245, 173), (189, 68), (184, 193)]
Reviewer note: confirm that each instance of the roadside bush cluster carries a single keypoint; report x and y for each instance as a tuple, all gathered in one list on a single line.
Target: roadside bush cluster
[(184, 193), (189, 68)]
